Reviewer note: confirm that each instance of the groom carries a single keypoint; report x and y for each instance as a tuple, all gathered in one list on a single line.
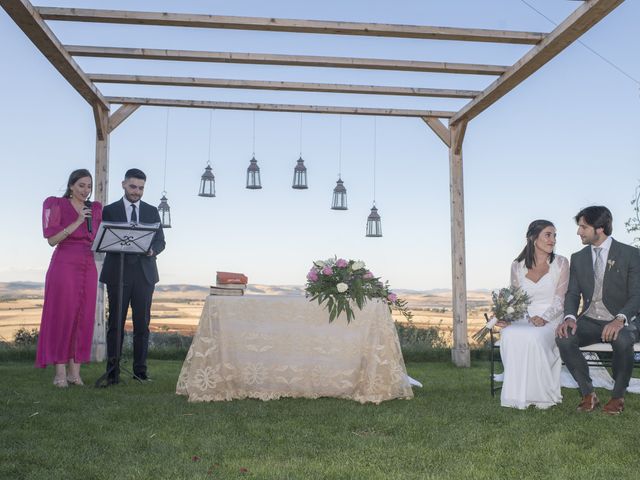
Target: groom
[(606, 276)]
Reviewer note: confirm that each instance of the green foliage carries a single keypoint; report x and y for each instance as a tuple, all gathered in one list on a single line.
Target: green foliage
[(633, 224), (452, 429), (338, 283), (24, 337)]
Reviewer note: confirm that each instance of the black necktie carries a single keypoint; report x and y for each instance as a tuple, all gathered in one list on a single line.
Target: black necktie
[(134, 215)]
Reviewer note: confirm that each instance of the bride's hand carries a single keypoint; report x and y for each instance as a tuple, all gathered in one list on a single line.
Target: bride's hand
[(502, 324), (538, 321)]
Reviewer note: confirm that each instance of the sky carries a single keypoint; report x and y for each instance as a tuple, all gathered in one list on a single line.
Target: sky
[(564, 139)]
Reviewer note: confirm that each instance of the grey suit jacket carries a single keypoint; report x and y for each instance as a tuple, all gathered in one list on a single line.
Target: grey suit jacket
[(621, 284)]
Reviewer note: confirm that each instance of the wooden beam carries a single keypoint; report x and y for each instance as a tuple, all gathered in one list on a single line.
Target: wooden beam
[(276, 107), (457, 137), (101, 117), (581, 20), (27, 18), (271, 85), (289, 25), (291, 60), (100, 194), (439, 129), (121, 115), (460, 354)]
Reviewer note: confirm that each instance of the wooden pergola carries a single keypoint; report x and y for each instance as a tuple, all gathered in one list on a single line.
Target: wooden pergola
[(449, 126)]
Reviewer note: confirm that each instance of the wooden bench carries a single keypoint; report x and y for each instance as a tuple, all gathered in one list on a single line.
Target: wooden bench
[(597, 348)]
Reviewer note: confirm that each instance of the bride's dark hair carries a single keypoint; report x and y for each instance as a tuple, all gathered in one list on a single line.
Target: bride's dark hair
[(528, 252)]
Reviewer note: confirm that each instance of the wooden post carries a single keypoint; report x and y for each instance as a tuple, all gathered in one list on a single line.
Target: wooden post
[(460, 352), (101, 191)]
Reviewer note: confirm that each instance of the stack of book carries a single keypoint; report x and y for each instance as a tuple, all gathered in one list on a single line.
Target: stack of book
[(229, 283)]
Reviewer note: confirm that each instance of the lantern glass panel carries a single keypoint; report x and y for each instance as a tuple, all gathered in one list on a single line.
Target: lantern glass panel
[(300, 175), (253, 175)]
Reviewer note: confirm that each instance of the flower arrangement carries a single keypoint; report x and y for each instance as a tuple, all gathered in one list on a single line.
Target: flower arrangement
[(338, 282), (509, 304)]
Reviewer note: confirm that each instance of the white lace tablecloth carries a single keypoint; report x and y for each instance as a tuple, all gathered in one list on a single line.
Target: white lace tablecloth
[(268, 347)]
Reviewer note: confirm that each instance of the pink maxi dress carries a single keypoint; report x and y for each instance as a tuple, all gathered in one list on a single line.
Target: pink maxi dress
[(68, 313)]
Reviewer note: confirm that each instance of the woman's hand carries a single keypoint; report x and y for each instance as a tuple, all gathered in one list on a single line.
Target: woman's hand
[(502, 324), (538, 321), (83, 215)]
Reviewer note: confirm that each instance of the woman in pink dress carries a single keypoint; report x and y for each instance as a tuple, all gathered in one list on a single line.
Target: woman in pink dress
[(66, 328)]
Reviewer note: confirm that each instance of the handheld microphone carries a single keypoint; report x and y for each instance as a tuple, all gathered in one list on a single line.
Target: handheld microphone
[(87, 204)]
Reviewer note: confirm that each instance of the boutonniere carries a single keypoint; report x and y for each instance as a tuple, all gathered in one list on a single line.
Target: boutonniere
[(611, 263)]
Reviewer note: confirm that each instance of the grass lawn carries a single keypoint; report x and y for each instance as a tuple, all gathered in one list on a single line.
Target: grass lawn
[(452, 429)]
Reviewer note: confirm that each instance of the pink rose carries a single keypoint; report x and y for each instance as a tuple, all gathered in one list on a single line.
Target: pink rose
[(312, 275), (368, 275), (327, 270), (392, 297), (341, 263)]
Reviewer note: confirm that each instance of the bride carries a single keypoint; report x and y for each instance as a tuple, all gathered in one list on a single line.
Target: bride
[(529, 354)]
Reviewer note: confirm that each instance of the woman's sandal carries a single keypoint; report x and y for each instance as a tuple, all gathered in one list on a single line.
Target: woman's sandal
[(74, 380), (60, 382)]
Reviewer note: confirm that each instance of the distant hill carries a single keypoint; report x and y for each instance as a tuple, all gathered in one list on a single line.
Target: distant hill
[(437, 297)]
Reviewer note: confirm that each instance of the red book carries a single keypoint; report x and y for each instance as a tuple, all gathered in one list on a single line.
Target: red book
[(231, 278)]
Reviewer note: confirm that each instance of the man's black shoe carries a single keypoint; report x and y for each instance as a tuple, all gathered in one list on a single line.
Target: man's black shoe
[(142, 377)]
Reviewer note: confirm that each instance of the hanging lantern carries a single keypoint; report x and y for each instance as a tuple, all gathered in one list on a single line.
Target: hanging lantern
[(374, 226), (253, 175), (300, 175), (164, 211), (207, 183), (339, 196)]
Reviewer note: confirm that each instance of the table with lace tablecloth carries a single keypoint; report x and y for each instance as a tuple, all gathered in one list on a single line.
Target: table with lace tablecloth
[(268, 347)]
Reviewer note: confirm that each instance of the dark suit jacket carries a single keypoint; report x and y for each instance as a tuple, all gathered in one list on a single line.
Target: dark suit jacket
[(621, 283), (115, 212)]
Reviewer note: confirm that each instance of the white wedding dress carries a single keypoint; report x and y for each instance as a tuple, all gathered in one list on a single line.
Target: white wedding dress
[(530, 356)]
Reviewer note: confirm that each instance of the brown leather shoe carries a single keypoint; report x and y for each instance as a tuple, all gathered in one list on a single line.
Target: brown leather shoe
[(615, 406), (589, 403)]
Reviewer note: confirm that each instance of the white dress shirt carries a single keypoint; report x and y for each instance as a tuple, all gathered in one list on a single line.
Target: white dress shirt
[(128, 209)]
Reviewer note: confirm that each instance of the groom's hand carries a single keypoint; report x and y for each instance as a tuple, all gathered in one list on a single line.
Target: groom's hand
[(611, 329), (563, 329)]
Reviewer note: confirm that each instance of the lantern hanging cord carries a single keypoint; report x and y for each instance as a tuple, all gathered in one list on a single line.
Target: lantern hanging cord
[(210, 135), (375, 153), (166, 150), (254, 134), (340, 149), (300, 139)]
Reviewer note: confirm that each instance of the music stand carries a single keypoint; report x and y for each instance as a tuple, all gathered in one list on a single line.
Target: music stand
[(124, 239)]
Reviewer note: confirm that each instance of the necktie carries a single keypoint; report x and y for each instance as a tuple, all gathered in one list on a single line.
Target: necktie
[(134, 215), (598, 269)]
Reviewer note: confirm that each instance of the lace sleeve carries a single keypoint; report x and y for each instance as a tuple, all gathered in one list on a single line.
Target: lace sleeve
[(555, 311), (51, 217), (515, 278)]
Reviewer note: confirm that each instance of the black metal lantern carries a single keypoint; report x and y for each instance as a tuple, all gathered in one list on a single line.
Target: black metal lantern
[(253, 175), (164, 211), (374, 226), (339, 196), (207, 183), (299, 175)]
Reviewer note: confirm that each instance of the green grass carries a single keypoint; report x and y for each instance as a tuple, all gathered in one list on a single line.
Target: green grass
[(452, 429)]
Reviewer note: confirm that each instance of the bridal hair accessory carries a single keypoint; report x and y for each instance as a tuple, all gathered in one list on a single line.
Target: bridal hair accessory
[(611, 263), (339, 282), (509, 304)]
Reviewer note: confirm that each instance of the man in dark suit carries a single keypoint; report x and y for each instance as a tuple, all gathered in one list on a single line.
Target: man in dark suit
[(605, 275), (140, 276)]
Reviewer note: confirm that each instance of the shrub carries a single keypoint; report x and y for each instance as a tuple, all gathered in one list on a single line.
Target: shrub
[(24, 337)]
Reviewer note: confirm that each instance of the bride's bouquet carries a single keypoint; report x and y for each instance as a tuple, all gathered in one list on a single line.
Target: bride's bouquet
[(509, 304)]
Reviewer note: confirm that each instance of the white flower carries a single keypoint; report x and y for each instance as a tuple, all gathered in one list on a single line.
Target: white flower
[(357, 265), (510, 310), (319, 263), (342, 287), (510, 298)]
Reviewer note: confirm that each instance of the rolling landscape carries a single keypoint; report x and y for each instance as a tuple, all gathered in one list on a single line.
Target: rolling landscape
[(177, 308)]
